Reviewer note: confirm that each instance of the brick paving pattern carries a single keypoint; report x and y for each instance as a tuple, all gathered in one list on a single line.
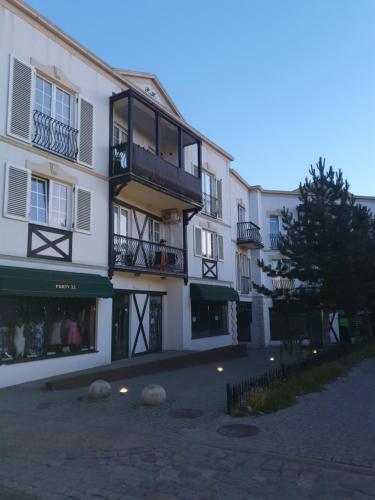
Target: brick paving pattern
[(58, 445)]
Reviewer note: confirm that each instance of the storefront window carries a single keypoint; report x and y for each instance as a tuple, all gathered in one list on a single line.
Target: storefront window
[(34, 328), (209, 319)]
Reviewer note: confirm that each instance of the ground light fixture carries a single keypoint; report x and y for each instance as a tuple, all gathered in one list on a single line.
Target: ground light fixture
[(315, 351), (220, 369), (272, 358), (123, 390)]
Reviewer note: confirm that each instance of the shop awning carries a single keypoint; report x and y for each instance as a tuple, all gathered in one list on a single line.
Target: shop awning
[(215, 293), (41, 283)]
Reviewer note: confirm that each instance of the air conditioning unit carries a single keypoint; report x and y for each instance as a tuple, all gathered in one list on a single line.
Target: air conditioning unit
[(171, 216)]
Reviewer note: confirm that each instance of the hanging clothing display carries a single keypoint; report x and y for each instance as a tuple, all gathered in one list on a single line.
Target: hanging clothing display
[(19, 340), (37, 343), (56, 333), (74, 336)]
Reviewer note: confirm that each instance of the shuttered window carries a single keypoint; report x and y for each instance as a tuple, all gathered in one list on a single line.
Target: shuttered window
[(82, 210), (86, 132), (197, 241), (21, 89), (17, 192)]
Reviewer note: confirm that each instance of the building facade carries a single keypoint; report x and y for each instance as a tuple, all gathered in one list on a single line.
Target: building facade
[(123, 230)]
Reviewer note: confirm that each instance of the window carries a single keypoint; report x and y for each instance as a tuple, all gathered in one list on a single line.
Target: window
[(49, 203), (209, 319), (154, 231), (119, 135), (38, 201), (209, 194), (208, 244), (274, 224), (52, 101), (241, 211), (243, 274), (121, 221), (36, 328)]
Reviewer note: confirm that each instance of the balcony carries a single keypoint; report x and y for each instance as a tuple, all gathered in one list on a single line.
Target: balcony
[(131, 254), (155, 152), (54, 136), (248, 235), (210, 205), (274, 241), (279, 283)]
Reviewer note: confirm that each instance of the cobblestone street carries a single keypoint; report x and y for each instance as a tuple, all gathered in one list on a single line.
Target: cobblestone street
[(58, 445)]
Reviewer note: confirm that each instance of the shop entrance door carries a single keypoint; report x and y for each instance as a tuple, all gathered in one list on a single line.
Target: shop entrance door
[(244, 321), (120, 327), (156, 323)]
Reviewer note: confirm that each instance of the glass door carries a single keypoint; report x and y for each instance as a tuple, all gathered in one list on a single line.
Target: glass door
[(156, 323), (120, 328)]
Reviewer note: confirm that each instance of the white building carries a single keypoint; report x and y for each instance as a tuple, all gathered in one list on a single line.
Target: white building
[(123, 230)]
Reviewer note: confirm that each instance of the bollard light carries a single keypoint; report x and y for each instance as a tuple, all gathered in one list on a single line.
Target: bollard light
[(220, 369), (272, 358), (315, 351), (124, 390)]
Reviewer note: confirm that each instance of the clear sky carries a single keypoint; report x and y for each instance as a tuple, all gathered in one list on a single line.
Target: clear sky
[(277, 83)]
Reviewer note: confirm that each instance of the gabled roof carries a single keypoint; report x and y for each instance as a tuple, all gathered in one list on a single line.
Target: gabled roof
[(142, 79)]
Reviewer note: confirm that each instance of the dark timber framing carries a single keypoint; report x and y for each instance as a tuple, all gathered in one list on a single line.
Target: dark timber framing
[(141, 165), (58, 236)]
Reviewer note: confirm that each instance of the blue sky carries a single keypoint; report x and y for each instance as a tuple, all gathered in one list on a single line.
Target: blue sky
[(277, 83)]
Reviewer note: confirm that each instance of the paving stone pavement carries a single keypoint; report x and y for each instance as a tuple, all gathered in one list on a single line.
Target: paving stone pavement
[(59, 445)]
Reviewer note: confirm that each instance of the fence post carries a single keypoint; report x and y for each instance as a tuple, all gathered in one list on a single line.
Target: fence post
[(229, 399)]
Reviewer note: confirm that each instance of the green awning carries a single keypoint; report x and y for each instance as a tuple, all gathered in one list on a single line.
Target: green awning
[(215, 293), (41, 283)]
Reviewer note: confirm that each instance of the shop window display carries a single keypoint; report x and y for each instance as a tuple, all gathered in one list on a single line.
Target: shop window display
[(35, 328)]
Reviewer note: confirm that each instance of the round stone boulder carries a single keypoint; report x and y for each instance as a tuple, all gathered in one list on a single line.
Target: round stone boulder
[(153, 395), (100, 389)]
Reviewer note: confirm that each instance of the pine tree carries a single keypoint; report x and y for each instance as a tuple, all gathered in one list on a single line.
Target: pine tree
[(327, 250)]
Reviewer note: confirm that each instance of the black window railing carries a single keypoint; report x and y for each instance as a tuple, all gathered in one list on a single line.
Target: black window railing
[(55, 136), (274, 241), (119, 155), (280, 283), (210, 205), (248, 232), (139, 254)]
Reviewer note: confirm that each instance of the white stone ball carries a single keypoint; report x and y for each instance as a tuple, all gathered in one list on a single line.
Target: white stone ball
[(100, 389), (153, 395)]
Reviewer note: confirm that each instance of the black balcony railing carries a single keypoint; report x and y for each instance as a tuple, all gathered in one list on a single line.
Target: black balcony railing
[(52, 135), (248, 232), (139, 254), (119, 158), (210, 205), (274, 241), (245, 285)]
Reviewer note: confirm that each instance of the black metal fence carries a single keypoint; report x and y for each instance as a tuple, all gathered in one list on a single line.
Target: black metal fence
[(274, 241), (54, 136), (135, 253), (238, 393)]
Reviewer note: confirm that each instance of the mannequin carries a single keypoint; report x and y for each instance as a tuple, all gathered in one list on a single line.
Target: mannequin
[(19, 338), (74, 336), (37, 341), (56, 339), (3, 339)]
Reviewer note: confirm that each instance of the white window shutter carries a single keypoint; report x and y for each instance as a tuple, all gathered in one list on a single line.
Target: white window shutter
[(17, 192), (82, 209), (220, 247), (219, 191), (20, 99), (198, 241), (86, 132)]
